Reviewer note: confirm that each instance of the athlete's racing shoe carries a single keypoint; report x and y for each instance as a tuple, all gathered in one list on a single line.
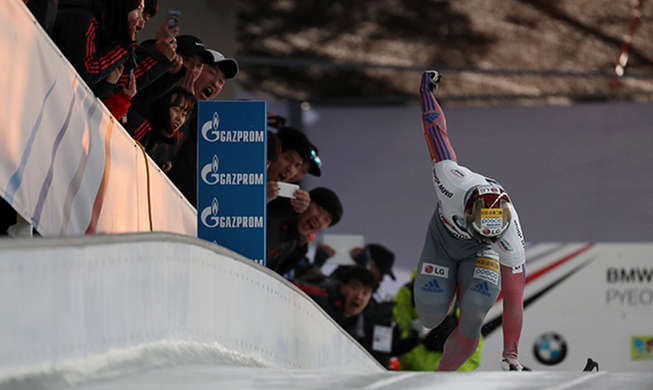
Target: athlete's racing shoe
[(507, 366), (436, 77)]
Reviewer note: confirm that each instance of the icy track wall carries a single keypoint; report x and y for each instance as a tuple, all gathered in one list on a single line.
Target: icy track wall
[(102, 306), (66, 165)]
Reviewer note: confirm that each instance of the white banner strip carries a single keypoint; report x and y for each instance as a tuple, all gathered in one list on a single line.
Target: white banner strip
[(66, 165)]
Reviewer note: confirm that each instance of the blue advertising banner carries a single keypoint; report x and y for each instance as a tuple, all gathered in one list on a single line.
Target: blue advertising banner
[(232, 176)]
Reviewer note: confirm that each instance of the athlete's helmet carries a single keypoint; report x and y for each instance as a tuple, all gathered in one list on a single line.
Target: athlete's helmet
[(488, 213)]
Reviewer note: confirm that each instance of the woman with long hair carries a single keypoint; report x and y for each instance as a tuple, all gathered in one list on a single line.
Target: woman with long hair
[(156, 126), (97, 36)]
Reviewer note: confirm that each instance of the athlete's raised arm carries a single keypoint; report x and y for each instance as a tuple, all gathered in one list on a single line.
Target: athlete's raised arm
[(433, 121)]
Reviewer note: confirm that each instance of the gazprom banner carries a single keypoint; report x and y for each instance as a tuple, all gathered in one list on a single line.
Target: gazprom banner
[(232, 176)]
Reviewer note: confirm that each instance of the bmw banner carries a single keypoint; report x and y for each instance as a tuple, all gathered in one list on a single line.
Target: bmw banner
[(232, 175)]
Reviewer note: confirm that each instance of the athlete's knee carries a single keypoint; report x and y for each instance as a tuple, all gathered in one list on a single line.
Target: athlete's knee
[(431, 320), (471, 319)]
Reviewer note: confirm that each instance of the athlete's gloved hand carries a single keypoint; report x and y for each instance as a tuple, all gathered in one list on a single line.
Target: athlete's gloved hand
[(511, 364)]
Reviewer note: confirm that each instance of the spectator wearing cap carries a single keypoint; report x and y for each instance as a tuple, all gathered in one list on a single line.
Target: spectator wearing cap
[(215, 73), (295, 150), (311, 166), (378, 314), (287, 240), (184, 69), (377, 258), (344, 300)]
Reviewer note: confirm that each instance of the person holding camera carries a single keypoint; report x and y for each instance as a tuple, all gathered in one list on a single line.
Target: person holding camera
[(474, 248)]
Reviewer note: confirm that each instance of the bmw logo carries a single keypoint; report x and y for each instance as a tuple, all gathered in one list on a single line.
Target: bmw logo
[(550, 348)]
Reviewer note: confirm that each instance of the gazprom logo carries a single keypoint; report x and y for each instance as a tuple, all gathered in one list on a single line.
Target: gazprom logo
[(210, 171), (210, 128), (209, 216)]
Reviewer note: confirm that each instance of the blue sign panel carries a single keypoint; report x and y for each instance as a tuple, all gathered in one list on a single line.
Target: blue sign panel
[(232, 176)]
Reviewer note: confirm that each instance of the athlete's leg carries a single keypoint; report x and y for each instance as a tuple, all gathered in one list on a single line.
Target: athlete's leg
[(479, 286), (512, 287), (435, 281)]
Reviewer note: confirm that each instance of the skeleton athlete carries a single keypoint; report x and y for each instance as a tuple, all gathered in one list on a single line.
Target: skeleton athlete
[(474, 248)]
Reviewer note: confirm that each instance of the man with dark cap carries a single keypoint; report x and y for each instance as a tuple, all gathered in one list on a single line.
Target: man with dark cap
[(377, 258), (311, 166), (345, 299), (295, 151), (215, 73), (378, 315), (184, 71), (287, 240)]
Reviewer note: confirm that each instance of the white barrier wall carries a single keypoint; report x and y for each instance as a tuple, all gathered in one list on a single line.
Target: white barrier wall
[(66, 165), (80, 298), (596, 298)]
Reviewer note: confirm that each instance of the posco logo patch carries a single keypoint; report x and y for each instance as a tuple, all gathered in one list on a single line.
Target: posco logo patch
[(486, 274)]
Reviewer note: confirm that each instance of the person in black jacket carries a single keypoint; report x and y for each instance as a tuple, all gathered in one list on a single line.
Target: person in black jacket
[(207, 86), (97, 36), (156, 126), (287, 240), (345, 300)]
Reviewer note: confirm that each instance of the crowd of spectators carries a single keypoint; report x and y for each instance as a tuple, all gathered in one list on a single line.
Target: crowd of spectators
[(153, 88)]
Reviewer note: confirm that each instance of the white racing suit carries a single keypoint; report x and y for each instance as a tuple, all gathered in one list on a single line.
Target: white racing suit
[(453, 263)]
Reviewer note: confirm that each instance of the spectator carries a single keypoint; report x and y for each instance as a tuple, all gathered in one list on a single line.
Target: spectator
[(146, 65), (344, 300), (183, 69), (157, 125), (377, 258), (427, 353), (295, 149), (287, 240), (97, 36), (379, 317), (312, 166), (208, 85)]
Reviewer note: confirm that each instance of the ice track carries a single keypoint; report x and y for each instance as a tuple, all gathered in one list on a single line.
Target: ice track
[(182, 365)]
